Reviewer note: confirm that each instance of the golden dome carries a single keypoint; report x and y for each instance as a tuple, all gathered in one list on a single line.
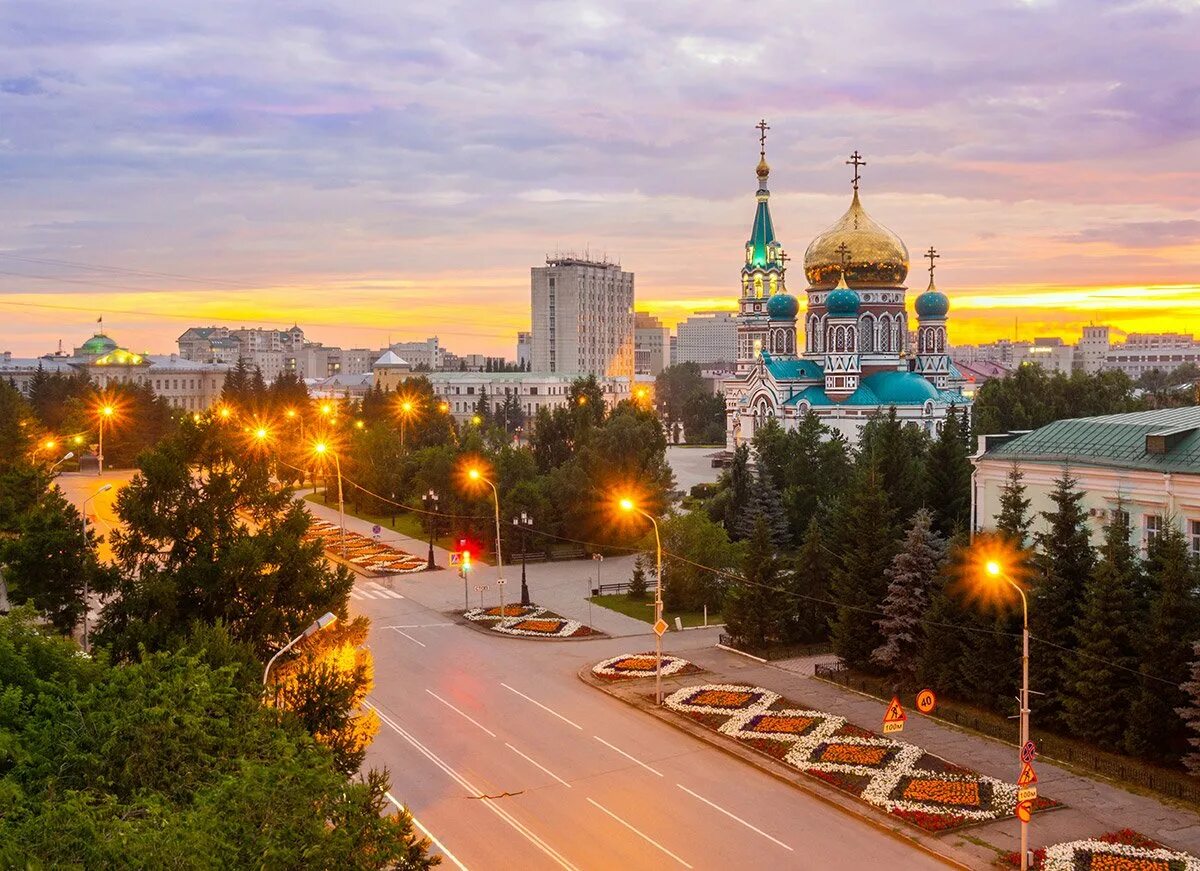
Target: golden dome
[(763, 169), (877, 257)]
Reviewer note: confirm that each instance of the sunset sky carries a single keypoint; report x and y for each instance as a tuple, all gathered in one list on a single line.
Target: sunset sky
[(378, 171)]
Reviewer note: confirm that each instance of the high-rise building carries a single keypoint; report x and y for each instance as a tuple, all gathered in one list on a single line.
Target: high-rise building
[(524, 349), (651, 344), (582, 317), (708, 338)]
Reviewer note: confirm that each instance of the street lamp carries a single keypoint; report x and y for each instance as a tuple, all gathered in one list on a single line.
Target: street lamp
[(996, 571), (475, 475), (106, 412), (66, 457), (628, 506), (431, 507), (321, 449), (86, 604), (406, 410), (320, 623), (523, 522)]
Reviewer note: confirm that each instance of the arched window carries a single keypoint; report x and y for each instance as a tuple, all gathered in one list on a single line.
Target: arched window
[(885, 333), (866, 334), (813, 338), (757, 286), (941, 340), (851, 332)]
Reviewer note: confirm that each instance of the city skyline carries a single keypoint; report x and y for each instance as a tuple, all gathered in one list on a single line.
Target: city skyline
[(267, 166)]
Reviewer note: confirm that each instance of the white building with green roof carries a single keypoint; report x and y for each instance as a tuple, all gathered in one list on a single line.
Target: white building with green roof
[(1146, 463)]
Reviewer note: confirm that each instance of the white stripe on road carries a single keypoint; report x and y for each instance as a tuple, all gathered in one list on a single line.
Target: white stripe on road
[(380, 588), (430, 835), (639, 833), (532, 762), (457, 711), (354, 594), (418, 625), (366, 594), (734, 817), (540, 705), (490, 804), (409, 637), (627, 756)]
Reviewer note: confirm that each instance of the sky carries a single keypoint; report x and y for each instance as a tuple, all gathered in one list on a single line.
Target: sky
[(389, 171)]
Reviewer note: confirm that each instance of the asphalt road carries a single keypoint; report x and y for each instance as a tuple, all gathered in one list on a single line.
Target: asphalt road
[(579, 779)]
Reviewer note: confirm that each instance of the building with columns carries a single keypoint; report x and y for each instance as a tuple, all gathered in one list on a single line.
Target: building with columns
[(854, 359)]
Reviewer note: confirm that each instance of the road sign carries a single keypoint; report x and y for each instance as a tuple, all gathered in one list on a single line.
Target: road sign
[(1026, 793), (1028, 775), (926, 701), (894, 719), (1028, 752), (376, 529), (660, 627), (1024, 810), (455, 558)]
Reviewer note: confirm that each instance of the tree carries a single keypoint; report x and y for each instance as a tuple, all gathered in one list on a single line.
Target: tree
[(585, 398), (1014, 521), (865, 542), (1066, 560), (1030, 398), (808, 585), (1102, 678), (1190, 713), (755, 608), (704, 419), (897, 450), (912, 578), (740, 481), (764, 504), (689, 587), (637, 583), (676, 386), (948, 478), (1155, 730)]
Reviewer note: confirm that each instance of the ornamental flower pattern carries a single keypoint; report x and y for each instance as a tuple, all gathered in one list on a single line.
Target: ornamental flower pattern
[(897, 777), (634, 665), (1125, 850), (370, 557), (528, 621)]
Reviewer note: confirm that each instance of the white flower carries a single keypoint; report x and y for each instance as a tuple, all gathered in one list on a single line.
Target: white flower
[(670, 665)]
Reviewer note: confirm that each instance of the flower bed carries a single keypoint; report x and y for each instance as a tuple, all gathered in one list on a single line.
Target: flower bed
[(367, 555), (528, 621), (634, 665), (1124, 850), (899, 778)]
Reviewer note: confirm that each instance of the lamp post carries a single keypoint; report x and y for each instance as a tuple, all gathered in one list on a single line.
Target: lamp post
[(321, 449), (66, 457), (628, 506), (475, 475), (316, 626), (86, 602), (431, 506), (406, 410), (995, 570), (106, 412), (523, 521)]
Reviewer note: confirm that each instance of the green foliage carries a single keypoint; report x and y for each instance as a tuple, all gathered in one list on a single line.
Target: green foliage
[(739, 480), (756, 608), (638, 587), (897, 451), (1030, 398), (54, 396), (688, 587), (766, 506), (808, 585), (1190, 712), (912, 579), (948, 478), (677, 386), (704, 419), (1014, 520), (809, 465)]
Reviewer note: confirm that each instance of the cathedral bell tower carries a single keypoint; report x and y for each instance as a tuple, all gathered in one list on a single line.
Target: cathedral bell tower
[(842, 363), (932, 360), (762, 274)]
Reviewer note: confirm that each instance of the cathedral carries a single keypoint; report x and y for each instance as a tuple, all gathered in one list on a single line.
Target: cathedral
[(854, 356)]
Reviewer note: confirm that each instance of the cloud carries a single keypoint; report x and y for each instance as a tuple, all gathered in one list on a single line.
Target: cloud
[(23, 86), (1142, 234)]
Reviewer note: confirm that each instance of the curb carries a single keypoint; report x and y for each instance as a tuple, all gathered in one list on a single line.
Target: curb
[(596, 634), (766, 765)]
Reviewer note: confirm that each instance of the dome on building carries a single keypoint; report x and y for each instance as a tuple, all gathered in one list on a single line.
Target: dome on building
[(763, 169), (842, 302), (932, 303), (98, 344), (877, 256), (782, 307)]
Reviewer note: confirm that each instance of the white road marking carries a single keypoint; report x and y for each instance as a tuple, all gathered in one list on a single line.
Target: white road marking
[(543, 707), (430, 835), (366, 594), (354, 594), (469, 787), (409, 637), (532, 762), (734, 817), (642, 834), (627, 756), (418, 625), (380, 588), (460, 713)]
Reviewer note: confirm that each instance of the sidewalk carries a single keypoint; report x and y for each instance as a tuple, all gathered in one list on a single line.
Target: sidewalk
[(1093, 807)]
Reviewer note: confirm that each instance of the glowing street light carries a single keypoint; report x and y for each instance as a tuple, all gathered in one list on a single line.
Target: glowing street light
[(324, 621), (444, 407), (86, 596), (629, 507), (105, 413), (323, 449), (406, 408), (65, 457), (475, 475)]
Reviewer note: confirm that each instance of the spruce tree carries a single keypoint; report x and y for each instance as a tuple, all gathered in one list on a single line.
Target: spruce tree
[(1155, 730), (765, 504), (1102, 681), (1065, 564), (898, 450), (1190, 713), (637, 582), (1014, 521), (912, 579), (755, 609), (865, 541), (948, 478), (740, 481), (810, 611), (946, 645)]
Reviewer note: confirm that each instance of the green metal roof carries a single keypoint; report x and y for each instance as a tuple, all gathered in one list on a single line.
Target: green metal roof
[(901, 388), (762, 235), (1115, 440), (792, 369)]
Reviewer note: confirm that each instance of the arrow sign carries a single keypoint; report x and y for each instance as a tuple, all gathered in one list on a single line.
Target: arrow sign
[(1028, 776), (894, 719)]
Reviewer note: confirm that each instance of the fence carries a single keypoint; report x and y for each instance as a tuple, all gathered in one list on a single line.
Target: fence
[(1165, 781), (776, 651)]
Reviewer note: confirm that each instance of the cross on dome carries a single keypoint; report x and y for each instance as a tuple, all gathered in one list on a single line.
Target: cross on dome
[(931, 255), (762, 126), (856, 161)]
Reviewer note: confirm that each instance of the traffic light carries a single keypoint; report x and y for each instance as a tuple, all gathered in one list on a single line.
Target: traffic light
[(464, 551)]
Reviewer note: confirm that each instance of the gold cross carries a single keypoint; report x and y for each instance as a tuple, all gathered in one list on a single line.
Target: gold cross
[(762, 128), (783, 261), (844, 253), (931, 255), (856, 161)]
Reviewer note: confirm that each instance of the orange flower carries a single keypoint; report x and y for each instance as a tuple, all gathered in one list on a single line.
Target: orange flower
[(789, 725), (539, 625), (853, 754), (961, 792), (721, 699)]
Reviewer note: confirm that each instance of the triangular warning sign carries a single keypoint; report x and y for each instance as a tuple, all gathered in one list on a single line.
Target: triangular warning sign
[(895, 712), (1027, 775)]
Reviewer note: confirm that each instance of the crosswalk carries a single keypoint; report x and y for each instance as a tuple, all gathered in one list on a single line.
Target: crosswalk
[(373, 590)]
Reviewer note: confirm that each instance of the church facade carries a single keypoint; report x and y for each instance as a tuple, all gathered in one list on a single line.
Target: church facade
[(848, 355)]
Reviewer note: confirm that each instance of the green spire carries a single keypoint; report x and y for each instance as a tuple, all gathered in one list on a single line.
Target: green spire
[(762, 236)]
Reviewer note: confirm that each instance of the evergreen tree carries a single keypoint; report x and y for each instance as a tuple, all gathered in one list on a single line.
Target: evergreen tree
[(1155, 730), (765, 504), (865, 542), (1014, 521), (739, 488), (236, 386), (637, 582), (1066, 562), (912, 579), (948, 478), (898, 452), (811, 611), (1190, 713), (1102, 679), (483, 409), (946, 644), (755, 610)]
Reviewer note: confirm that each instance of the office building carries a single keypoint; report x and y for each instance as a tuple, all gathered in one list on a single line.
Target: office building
[(582, 317), (651, 344), (707, 338)]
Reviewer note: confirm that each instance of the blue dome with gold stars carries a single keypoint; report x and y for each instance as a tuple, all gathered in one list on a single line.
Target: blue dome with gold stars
[(783, 307)]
